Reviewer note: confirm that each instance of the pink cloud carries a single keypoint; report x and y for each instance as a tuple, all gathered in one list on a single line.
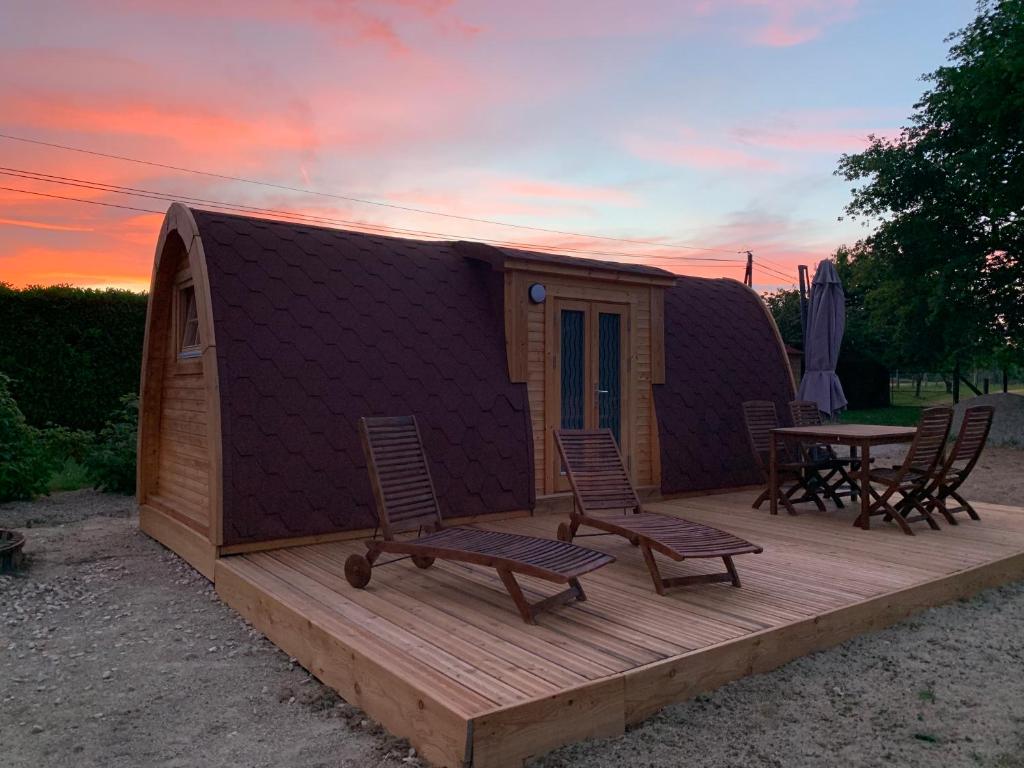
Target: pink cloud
[(827, 131), (772, 23), (687, 149), (384, 23), (562, 191), (792, 22)]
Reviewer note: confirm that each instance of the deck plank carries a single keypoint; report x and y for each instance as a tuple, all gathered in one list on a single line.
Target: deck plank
[(450, 632)]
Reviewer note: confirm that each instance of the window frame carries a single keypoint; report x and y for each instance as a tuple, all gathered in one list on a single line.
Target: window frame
[(191, 354)]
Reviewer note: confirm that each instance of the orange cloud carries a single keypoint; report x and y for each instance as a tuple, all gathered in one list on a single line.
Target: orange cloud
[(40, 265), (42, 225), (196, 130)]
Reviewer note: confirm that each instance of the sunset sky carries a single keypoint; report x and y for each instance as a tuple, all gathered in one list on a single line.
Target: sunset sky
[(711, 123)]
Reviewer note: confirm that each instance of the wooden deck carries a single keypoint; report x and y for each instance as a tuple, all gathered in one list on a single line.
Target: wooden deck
[(442, 658)]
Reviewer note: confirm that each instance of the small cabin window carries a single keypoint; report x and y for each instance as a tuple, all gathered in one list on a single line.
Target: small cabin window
[(189, 327)]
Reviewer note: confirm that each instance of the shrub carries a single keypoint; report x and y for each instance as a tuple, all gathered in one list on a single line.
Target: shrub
[(25, 464), (70, 351), (63, 444), (111, 462)]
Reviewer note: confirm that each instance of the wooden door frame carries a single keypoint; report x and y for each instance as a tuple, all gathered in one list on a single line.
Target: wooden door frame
[(553, 480)]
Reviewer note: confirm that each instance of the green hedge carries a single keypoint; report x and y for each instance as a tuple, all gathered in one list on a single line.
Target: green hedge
[(71, 353)]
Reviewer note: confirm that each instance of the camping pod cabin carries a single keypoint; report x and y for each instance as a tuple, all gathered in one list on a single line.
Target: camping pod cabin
[(267, 340)]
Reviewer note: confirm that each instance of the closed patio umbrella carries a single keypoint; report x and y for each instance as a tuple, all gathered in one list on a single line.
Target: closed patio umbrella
[(826, 321)]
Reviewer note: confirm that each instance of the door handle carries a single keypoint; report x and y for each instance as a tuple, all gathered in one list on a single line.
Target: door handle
[(602, 391)]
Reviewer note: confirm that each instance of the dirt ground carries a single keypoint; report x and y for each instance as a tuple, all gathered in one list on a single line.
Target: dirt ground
[(115, 653)]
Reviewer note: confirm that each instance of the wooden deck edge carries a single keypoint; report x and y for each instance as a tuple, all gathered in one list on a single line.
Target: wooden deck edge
[(650, 688), (602, 709), (195, 549), (439, 734), (507, 737)]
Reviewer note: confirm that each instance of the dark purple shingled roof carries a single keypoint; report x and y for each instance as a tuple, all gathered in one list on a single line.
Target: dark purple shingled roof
[(316, 327), (495, 256), (720, 349)]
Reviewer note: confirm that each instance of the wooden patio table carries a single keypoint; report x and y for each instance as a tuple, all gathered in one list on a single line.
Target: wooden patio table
[(860, 438)]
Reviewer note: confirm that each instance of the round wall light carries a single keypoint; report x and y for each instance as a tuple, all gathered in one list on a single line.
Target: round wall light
[(537, 293)]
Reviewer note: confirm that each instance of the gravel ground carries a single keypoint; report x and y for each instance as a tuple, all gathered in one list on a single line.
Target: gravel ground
[(116, 653)]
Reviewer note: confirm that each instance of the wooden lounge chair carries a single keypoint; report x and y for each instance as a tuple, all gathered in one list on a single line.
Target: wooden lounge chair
[(600, 483), (761, 418), (406, 502), (829, 471), (904, 486), (956, 468)]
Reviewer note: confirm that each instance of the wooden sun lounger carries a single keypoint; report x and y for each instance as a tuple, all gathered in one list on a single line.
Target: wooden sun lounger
[(407, 502), (600, 483)]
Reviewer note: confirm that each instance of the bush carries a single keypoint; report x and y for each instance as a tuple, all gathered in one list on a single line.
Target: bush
[(25, 463), (111, 462), (63, 444)]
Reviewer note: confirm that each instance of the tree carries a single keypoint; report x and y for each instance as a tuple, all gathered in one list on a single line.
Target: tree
[(785, 308), (942, 275)]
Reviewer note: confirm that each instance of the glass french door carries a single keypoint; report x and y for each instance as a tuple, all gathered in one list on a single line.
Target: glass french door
[(591, 369)]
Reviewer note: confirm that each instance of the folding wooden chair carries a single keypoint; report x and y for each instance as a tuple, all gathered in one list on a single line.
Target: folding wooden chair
[(962, 457), (600, 483), (829, 471), (904, 486), (761, 418), (406, 502)]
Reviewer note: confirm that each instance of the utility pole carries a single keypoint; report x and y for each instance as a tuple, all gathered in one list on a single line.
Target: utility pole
[(748, 274), (804, 285)]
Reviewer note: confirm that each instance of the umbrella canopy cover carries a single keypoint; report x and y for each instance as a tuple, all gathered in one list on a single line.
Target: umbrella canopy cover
[(826, 321)]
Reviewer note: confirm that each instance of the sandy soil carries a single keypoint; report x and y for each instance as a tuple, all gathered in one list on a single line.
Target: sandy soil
[(115, 653)]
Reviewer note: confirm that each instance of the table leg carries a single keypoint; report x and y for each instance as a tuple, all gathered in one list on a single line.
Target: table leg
[(854, 468), (773, 478), (865, 486)]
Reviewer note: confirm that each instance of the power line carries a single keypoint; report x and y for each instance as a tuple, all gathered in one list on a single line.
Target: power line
[(777, 273), (80, 200), (248, 209), (352, 199), (105, 204)]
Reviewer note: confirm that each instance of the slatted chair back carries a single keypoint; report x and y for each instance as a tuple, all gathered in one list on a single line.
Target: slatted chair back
[(596, 470), (972, 436), (400, 475), (761, 418), (805, 413), (932, 431)]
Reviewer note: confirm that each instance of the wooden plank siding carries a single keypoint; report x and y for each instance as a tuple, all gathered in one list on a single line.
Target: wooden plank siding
[(179, 431), (183, 466), (499, 691)]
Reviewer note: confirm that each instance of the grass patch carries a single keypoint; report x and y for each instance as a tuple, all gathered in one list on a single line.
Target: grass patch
[(893, 416), (70, 477), (926, 695)]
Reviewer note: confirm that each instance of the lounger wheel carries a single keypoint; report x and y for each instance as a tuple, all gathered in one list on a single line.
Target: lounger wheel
[(564, 532), (357, 571), (422, 561)]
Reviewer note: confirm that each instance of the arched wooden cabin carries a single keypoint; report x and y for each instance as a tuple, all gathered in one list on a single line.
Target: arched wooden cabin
[(267, 340)]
